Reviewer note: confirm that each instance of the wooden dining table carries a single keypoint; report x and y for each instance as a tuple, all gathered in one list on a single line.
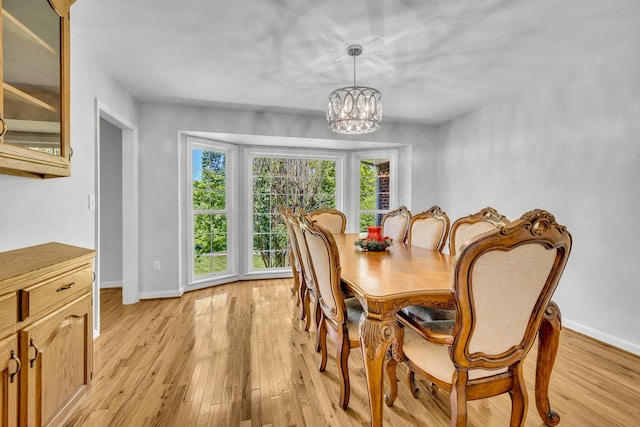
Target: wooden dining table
[(385, 282)]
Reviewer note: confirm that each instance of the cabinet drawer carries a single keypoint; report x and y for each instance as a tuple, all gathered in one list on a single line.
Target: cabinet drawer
[(38, 299), (8, 314)]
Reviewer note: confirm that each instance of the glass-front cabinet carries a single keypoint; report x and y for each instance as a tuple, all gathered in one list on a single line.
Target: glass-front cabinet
[(35, 88)]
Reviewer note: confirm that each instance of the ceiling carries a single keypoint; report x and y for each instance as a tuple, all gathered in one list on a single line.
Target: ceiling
[(432, 60)]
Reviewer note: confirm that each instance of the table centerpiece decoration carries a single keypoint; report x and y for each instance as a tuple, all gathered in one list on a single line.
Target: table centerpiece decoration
[(374, 242)]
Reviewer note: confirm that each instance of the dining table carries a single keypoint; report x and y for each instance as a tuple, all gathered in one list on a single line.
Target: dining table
[(386, 281)]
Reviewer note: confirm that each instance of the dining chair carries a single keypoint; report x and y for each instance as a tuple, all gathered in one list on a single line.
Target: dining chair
[(310, 299), (470, 226), (340, 317), (462, 230), (299, 286), (396, 223), (503, 282), (331, 219), (429, 229)]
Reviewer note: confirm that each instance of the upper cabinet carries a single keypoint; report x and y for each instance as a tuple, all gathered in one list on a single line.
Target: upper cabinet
[(35, 88)]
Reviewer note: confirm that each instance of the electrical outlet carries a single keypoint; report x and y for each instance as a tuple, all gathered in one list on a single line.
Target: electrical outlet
[(156, 265), (92, 202)]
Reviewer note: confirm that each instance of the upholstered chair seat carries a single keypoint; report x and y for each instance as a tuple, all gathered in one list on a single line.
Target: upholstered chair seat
[(423, 314), (354, 312), (435, 358)]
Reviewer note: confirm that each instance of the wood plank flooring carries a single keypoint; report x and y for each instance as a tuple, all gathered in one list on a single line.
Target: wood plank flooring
[(236, 355)]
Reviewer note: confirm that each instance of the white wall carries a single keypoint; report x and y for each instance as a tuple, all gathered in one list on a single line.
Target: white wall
[(159, 174), (571, 147), (424, 175), (110, 205)]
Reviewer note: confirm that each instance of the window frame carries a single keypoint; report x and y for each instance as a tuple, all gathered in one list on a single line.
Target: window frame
[(357, 157), (252, 153), (231, 209)]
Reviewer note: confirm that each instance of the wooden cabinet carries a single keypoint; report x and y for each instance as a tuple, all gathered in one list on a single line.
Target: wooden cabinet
[(57, 366), (46, 332), (9, 370), (34, 113)]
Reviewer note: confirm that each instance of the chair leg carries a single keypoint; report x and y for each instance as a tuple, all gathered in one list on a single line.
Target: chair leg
[(318, 312), (300, 296), (411, 379), (458, 399), (342, 359), (304, 310), (390, 396), (322, 340), (519, 397)]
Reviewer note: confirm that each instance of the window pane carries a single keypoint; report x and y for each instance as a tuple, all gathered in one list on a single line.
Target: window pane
[(260, 240), (202, 265), (368, 201), (258, 262), (201, 223), (288, 182), (217, 200), (219, 223), (200, 196), (366, 220)]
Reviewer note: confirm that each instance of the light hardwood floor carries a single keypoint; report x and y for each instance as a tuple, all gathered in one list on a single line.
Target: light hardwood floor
[(236, 355)]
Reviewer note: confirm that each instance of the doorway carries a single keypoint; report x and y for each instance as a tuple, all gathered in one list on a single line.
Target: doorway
[(117, 207)]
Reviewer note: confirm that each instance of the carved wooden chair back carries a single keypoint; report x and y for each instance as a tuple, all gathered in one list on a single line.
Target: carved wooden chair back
[(309, 290), (294, 254), (503, 282), (331, 219), (471, 226), (396, 223), (339, 320), (429, 229)]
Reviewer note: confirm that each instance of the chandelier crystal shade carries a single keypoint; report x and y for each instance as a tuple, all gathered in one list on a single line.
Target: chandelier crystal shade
[(354, 109)]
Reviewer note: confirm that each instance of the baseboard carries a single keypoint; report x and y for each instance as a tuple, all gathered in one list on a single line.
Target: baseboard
[(107, 285), (164, 294), (620, 343)]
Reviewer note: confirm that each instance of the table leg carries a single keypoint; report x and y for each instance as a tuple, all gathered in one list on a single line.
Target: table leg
[(375, 338), (548, 342)]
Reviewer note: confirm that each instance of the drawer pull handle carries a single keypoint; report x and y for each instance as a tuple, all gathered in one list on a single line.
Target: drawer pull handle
[(65, 287), (12, 376), (33, 361), (4, 127)]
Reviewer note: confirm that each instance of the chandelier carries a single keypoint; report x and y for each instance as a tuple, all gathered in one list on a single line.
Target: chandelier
[(354, 109)]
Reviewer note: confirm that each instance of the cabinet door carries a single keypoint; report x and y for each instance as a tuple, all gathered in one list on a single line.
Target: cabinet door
[(34, 126), (56, 353), (9, 369)]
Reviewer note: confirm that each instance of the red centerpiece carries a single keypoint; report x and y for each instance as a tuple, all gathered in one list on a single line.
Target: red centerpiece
[(374, 232)]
